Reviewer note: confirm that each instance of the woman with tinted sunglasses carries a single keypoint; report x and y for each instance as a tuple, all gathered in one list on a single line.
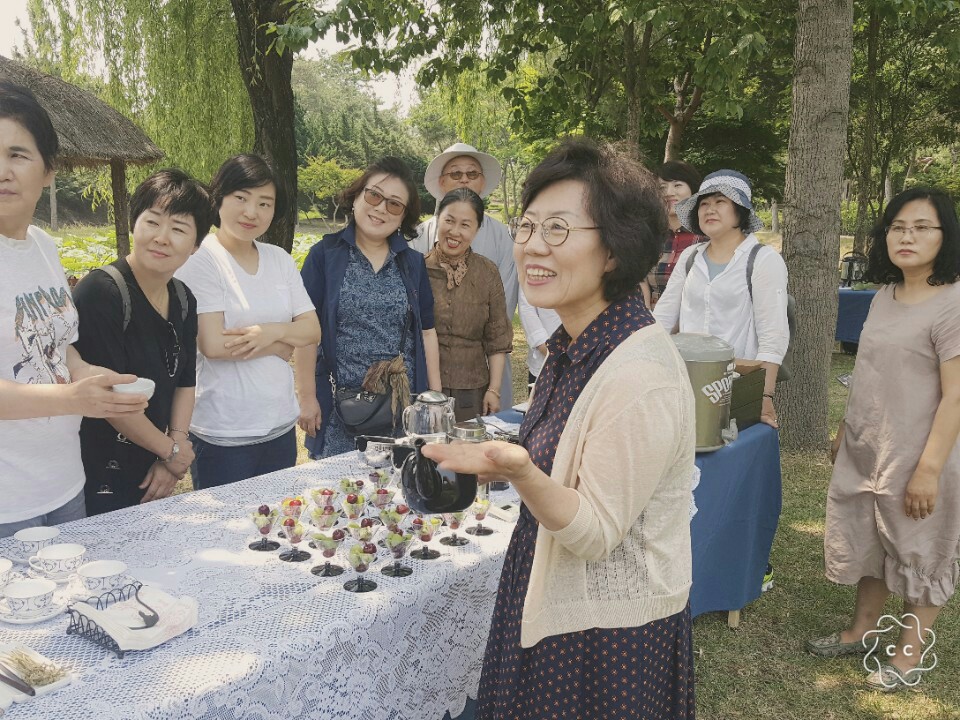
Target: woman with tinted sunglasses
[(374, 302)]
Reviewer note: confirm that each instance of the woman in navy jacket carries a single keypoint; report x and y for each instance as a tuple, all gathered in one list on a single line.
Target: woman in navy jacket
[(367, 285)]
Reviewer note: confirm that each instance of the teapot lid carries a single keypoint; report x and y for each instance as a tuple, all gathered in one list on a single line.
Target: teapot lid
[(469, 430), (432, 397)]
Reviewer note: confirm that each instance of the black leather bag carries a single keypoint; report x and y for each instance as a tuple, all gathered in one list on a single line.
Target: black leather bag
[(367, 413)]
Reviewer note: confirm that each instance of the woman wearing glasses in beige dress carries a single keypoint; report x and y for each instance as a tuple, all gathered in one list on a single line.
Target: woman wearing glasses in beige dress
[(374, 302)]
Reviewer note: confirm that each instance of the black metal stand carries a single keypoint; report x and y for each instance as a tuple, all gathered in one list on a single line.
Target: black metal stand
[(327, 570), (84, 627)]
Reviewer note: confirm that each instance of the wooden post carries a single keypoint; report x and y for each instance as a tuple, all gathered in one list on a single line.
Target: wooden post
[(774, 217), (54, 221), (121, 206)]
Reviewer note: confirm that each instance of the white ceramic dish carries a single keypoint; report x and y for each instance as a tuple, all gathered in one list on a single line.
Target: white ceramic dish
[(102, 575), (58, 561), (57, 608), (522, 407), (140, 386), (28, 597), (30, 540), (8, 695), (6, 570)]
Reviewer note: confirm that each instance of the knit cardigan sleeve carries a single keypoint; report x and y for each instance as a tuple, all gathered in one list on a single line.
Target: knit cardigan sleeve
[(629, 441)]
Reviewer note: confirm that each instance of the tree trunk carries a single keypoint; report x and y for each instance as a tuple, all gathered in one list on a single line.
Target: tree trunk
[(774, 217), (504, 183), (818, 130), (635, 63), (121, 206), (267, 77), (865, 175), (54, 220)]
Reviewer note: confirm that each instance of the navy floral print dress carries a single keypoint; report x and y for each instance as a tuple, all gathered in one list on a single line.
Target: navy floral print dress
[(640, 672)]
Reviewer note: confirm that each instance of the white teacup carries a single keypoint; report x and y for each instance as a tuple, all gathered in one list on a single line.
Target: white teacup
[(102, 575), (140, 386), (58, 561), (29, 597), (31, 540), (6, 566)]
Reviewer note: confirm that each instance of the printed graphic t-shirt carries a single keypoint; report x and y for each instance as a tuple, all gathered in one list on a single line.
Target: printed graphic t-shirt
[(40, 467)]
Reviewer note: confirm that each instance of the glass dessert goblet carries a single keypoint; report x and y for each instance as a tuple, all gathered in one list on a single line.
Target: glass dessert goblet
[(323, 497), (453, 521), (327, 543), (479, 510), (424, 528), (397, 544), (353, 505), (381, 497), (294, 531), (361, 556), (363, 530), (264, 518)]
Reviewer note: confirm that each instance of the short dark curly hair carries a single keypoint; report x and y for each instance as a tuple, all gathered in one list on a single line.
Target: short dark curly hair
[(946, 266), (624, 200), (394, 167), (175, 192)]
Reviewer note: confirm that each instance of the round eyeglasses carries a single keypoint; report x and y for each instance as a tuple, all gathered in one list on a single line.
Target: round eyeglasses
[(553, 230)]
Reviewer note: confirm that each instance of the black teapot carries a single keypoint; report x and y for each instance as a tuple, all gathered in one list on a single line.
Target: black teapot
[(428, 489)]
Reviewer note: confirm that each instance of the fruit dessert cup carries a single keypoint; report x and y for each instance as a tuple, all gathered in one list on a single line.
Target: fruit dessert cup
[(327, 543), (323, 497), (294, 531), (363, 530), (361, 556), (479, 510), (424, 528), (264, 518), (397, 544), (353, 505), (453, 521)]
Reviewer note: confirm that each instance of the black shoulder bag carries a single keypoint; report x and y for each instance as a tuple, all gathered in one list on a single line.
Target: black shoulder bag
[(363, 412)]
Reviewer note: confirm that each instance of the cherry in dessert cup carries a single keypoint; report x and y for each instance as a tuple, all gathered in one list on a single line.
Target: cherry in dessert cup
[(381, 497), (424, 528), (350, 485), (397, 544), (324, 517), (353, 505), (453, 521), (379, 478), (363, 530), (323, 497), (361, 556), (327, 543), (291, 507), (264, 518), (294, 531), (479, 509)]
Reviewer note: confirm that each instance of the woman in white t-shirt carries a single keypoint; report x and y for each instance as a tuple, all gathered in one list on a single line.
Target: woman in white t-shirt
[(45, 386), (538, 325), (252, 312)]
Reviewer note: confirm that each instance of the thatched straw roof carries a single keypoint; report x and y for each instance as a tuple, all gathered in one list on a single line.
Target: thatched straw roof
[(91, 132)]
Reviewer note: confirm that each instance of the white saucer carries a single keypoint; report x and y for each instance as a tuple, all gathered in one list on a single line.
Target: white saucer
[(56, 609), (37, 575)]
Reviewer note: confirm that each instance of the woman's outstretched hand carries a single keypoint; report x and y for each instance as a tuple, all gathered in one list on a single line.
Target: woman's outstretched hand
[(489, 461)]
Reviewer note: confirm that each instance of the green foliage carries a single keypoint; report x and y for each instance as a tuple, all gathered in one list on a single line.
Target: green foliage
[(84, 249), (322, 179), (170, 66)]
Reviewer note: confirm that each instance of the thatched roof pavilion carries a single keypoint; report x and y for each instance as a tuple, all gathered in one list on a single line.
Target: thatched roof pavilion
[(91, 134)]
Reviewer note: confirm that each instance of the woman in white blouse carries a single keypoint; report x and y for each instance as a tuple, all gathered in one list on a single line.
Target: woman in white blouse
[(538, 325), (731, 287)]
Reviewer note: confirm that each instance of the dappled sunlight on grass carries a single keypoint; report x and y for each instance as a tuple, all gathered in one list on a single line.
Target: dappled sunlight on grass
[(810, 528)]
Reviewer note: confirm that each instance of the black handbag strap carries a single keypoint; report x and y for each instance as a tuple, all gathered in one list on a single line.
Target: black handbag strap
[(403, 342)]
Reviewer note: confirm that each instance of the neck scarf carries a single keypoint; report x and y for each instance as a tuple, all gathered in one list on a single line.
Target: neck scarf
[(455, 270)]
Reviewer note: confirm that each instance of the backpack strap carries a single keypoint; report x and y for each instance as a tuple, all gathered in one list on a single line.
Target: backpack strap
[(751, 261), (181, 291), (691, 260), (121, 284)]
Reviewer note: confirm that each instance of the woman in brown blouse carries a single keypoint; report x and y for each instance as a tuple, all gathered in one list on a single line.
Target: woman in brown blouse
[(470, 310)]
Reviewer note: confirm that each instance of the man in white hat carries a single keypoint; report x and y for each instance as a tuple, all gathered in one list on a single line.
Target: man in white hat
[(462, 165)]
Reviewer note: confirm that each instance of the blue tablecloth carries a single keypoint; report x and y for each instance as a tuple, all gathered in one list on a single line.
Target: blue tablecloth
[(738, 508), (852, 313)]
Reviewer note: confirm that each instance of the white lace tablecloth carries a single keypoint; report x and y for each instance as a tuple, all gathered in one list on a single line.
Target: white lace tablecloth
[(273, 640)]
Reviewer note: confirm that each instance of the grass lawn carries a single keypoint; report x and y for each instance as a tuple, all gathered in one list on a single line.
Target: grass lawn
[(761, 670)]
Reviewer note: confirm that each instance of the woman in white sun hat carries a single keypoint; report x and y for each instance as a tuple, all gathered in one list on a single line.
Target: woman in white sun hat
[(462, 165), (731, 287)]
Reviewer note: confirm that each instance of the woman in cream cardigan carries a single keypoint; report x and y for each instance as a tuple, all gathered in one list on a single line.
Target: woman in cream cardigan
[(592, 616)]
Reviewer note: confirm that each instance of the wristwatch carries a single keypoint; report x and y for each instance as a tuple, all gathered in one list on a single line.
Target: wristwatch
[(173, 452)]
